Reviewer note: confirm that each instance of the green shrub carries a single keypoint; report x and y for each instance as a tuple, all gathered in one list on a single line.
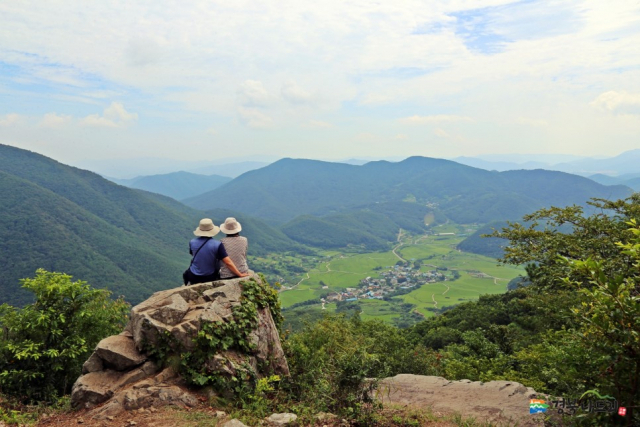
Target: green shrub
[(44, 344), (335, 363)]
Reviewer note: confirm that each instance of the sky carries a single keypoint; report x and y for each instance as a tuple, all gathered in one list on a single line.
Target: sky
[(211, 80)]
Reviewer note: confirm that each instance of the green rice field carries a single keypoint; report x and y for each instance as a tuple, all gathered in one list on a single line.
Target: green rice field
[(337, 271)]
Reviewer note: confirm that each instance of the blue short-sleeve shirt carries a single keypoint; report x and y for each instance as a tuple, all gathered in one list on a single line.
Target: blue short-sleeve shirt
[(207, 260)]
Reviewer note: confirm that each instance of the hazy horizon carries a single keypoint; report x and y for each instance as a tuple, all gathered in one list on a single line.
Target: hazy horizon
[(134, 167), (86, 80)]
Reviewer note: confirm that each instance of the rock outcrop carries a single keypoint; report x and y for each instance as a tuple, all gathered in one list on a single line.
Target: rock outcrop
[(496, 402), (224, 328)]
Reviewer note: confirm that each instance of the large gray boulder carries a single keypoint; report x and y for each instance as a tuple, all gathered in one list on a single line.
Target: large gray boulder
[(495, 402), (123, 372)]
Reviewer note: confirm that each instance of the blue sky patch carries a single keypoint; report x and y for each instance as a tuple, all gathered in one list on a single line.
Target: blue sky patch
[(489, 30)]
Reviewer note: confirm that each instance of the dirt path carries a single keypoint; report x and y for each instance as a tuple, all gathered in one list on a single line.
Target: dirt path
[(296, 285), (152, 417), (400, 234), (396, 254)]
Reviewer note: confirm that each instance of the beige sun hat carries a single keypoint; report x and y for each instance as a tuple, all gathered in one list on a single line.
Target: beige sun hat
[(230, 226), (206, 228)]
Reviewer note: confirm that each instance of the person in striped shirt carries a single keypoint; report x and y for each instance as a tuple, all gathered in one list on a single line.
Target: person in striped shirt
[(236, 247)]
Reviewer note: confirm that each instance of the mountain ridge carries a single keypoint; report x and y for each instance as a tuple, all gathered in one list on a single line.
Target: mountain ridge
[(62, 218), (177, 185), (463, 193)]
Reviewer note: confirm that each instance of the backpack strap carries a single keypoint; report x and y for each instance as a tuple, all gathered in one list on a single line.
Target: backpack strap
[(194, 255)]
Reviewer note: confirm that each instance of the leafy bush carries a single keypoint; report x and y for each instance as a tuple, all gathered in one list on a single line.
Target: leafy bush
[(334, 363), (44, 344), (610, 320)]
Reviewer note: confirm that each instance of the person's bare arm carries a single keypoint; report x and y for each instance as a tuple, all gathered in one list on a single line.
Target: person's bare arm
[(232, 267)]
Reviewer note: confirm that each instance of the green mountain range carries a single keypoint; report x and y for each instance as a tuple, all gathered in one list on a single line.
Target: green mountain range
[(134, 242), (288, 188), (70, 220)]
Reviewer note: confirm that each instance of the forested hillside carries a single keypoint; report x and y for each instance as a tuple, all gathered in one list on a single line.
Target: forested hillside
[(65, 219), (371, 227), (487, 246), (289, 187)]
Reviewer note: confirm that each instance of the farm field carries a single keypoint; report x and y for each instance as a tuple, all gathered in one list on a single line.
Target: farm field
[(445, 294), (337, 271), (378, 309)]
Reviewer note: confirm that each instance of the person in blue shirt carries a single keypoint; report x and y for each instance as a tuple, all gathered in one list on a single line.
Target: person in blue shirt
[(207, 254)]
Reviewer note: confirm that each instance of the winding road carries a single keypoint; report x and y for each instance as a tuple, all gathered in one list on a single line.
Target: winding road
[(398, 245)]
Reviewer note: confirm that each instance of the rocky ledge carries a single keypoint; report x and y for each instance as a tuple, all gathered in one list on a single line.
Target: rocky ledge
[(502, 403), (208, 334)]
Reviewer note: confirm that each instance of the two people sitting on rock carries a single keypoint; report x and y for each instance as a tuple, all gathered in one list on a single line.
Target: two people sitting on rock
[(207, 253)]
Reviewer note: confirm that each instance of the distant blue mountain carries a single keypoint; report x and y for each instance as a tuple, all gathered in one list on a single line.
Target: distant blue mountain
[(630, 180), (178, 185), (627, 163)]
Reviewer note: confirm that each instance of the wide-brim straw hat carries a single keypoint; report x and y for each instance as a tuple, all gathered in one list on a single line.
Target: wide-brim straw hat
[(206, 228), (230, 226)]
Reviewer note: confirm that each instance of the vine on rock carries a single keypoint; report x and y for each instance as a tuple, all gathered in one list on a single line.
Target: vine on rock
[(205, 366)]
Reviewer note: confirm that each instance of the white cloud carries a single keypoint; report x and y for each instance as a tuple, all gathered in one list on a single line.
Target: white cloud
[(441, 133), (102, 94), (53, 120), (317, 124), (10, 119), (95, 120), (117, 113), (366, 137), (294, 93), (113, 116), (401, 137), (254, 118), (438, 118), (141, 52), (212, 131), (253, 94), (532, 122), (618, 102), (360, 61)]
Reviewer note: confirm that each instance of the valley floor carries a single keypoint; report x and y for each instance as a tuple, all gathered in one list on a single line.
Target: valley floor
[(435, 276)]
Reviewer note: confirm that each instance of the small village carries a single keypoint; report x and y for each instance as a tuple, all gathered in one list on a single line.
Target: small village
[(395, 278)]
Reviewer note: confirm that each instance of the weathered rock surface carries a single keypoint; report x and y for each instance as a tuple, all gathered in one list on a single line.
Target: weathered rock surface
[(498, 402), (122, 373), (119, 352), (281, 419)]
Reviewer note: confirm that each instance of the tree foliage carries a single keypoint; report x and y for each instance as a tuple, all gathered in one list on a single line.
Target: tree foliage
[(610, 318), (597, 258), (44, 344), (575, 327), (555, 234), (331, 360)]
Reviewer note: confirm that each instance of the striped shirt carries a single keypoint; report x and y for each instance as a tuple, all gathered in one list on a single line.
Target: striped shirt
[(237, 249)]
